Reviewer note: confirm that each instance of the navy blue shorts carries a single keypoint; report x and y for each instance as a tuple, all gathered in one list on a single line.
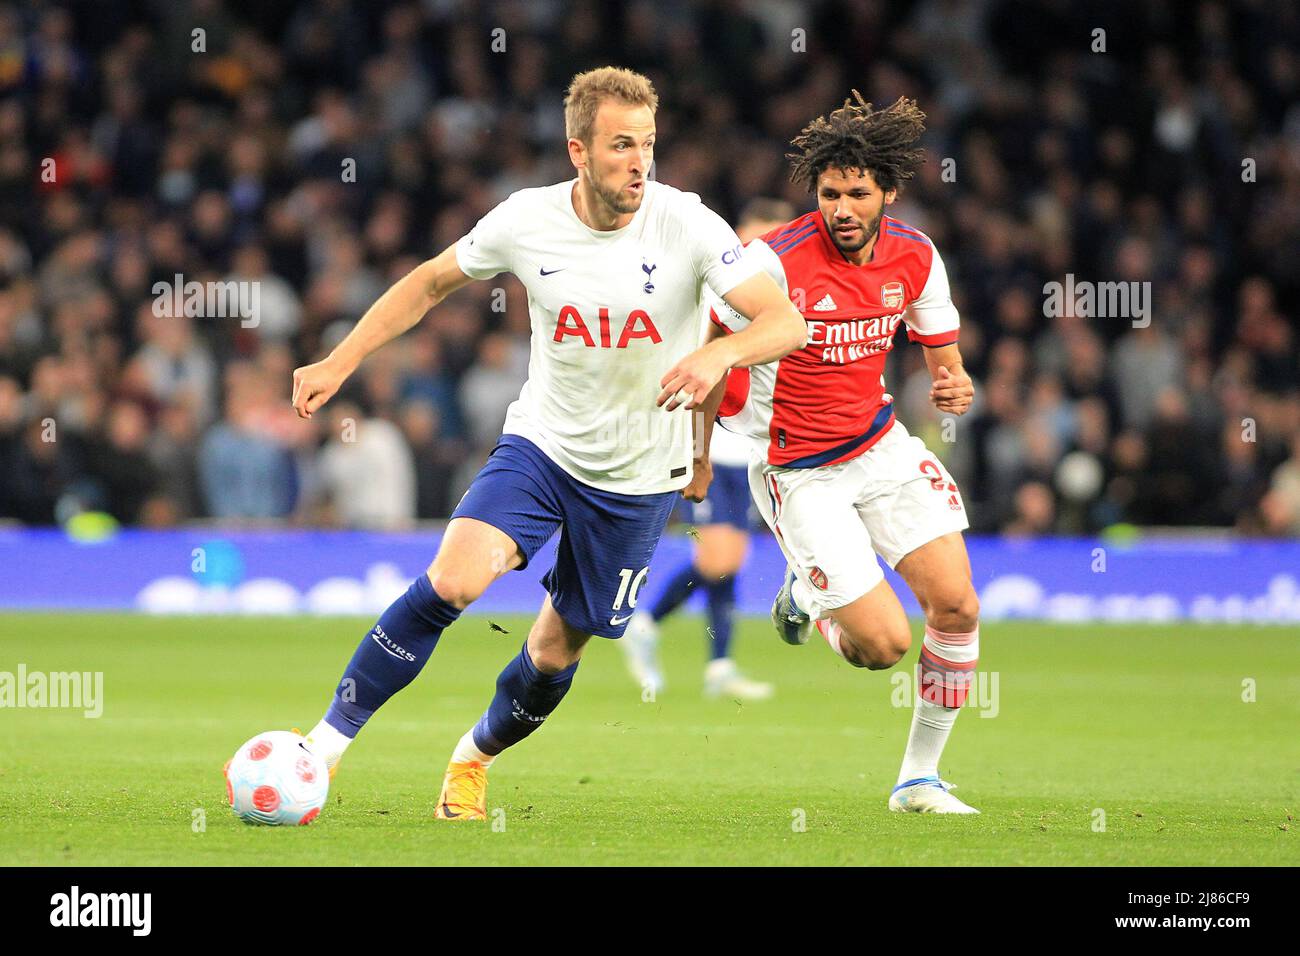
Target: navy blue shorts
[(606, 541), (728, 500)]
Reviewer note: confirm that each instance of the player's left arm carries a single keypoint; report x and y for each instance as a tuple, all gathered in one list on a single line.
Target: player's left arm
[(775, 329), (951, 389), (702, 425), (932, 320)]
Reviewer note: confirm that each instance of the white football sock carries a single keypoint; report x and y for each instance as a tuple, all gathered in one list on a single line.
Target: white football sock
[(327, 743), (467, 750), (932, 722), (931, 725)]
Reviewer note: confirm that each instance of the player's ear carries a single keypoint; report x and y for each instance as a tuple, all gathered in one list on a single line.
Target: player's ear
[(577, 153), (890, 196)]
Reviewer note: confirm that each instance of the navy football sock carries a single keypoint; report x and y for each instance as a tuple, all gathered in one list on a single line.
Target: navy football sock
[(390, 655), (722, 606), (525, 697), (679, 589)]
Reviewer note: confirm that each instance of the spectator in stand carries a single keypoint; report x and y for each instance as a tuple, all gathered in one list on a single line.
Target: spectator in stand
[(119, 464), (488, 388), (436, 460), (1281, 505), (243, 472), (323, 148), (367, 471)]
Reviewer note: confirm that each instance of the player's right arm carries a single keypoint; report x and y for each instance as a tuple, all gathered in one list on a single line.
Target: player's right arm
[(397, 310), (486, 250)]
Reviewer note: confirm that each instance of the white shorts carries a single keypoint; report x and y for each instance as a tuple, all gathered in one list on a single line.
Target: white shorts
[(891, 499)]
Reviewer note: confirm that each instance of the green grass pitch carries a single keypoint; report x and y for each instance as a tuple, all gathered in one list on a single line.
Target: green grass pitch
[(1147, 724)]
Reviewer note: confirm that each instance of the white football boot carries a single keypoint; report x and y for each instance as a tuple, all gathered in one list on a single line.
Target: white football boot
[(723, 679), (640, 645), (926, 795), (792, 624)]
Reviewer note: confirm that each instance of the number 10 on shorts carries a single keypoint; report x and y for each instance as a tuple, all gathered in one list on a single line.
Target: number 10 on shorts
[(630, 586)]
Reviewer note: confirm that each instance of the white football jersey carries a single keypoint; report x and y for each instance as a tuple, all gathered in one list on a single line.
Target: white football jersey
[(611, 313)]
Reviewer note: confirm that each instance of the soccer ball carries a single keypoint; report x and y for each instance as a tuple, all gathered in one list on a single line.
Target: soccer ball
[(274, 779)]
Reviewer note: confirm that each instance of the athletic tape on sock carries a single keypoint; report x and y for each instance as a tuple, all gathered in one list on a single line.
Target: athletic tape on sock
[(946, 668)]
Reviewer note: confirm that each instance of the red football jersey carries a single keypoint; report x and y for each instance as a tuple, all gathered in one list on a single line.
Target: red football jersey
[(826, 403)]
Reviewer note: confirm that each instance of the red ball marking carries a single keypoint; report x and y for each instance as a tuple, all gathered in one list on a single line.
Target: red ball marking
[(260, 750), (309, 816), (266, 798), (306, 772), (230, 793)]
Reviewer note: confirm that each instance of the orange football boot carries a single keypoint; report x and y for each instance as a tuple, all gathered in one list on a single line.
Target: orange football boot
[(464, 792)]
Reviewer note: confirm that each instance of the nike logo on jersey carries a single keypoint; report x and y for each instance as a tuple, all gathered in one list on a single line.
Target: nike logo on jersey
[(615, 621), (825, 304), (552, 271)]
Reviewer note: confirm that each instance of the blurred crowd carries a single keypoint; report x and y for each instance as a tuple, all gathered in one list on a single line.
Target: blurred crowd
[(323, 148)]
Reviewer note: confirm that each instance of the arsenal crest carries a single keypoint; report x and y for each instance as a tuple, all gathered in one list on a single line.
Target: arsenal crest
[(891, 295), (818, 578)]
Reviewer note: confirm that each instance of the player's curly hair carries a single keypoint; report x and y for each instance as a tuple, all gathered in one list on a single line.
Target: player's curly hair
[(856, 136)]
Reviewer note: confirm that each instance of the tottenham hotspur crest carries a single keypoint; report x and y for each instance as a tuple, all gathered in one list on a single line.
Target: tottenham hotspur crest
[(648, 269)]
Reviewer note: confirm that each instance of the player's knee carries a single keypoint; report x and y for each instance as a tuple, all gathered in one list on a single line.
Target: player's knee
[(878, 651), (713, 574), (891, 648), (455, 585), (732, 565), (715, 566), (554, 651), (549, 660), (955, 612)]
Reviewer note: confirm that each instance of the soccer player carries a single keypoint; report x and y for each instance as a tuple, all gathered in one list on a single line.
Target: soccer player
[(721, 537), (839, 476), (614, 265)]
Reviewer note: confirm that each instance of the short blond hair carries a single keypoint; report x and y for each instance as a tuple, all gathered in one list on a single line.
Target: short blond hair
[(589, 89)]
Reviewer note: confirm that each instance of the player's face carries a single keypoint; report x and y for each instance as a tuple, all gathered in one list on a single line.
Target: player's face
[(852, 205), (616, 161)]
